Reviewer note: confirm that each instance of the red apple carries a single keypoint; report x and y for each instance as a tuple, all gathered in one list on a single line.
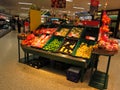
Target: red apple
[(115, 47), (109, 47)]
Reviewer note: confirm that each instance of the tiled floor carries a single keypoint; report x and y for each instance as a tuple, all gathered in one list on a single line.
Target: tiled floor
[(18, 76)]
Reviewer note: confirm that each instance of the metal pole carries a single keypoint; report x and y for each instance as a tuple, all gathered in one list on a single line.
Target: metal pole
[(18, 50)]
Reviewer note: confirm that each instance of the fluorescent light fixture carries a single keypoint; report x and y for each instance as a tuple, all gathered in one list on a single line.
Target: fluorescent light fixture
[(98, 5), (25, 3), (69, 0), (25, 8), (24, 14), (45, 9), (78, 7), (63, 11), (88, 3)]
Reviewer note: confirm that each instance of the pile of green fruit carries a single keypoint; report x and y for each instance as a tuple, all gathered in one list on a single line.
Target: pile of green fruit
[(53, 45), (84, 51)]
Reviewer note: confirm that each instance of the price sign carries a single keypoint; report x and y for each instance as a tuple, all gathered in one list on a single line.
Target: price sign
[(58, 3)]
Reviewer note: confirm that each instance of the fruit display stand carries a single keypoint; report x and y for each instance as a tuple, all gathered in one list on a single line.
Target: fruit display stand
[(64, 57), (99, 79)]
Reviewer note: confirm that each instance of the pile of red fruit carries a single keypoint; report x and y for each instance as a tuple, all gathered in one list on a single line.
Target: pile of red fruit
[(36, 41), (45, 31), (39, 42), (29, 39), (109, 45), (104, 41)]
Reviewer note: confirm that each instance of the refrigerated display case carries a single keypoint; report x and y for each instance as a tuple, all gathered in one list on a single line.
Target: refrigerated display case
[(4, 27)]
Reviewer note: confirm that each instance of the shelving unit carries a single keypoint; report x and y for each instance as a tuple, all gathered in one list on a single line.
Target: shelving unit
[(4, 27), (100, 79)]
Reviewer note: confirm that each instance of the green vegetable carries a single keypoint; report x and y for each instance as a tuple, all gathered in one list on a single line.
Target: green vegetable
[(53, 45)]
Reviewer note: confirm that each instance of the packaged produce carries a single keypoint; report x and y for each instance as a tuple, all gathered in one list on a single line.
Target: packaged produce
[(36, 41), (75, 32), (45, 31), (62, 32), (29, 39), (39, 42)]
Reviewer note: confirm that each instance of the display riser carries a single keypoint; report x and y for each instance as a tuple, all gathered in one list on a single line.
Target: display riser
[(98, 80)]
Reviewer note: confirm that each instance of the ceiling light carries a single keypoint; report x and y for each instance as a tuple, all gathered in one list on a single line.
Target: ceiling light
[(24, 14), (88, 3), (78, 7), (100, 5), (69, 0), (63, 11), (25, 3), (25, 8)]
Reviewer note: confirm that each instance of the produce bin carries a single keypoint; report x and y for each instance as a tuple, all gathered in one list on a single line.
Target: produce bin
[(75, 32), (62, 32), (68, 46), (90, 33), (40, 41), (83, 44), (47, 30), (53, 44)]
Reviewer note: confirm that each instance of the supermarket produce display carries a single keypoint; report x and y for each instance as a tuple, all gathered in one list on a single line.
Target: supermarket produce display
[(56, 47), (74, 45)]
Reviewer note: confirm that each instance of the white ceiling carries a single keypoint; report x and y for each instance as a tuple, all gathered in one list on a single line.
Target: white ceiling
[(12, 6)]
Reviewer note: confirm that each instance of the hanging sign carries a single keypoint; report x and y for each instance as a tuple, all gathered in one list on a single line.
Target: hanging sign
[(94, 6), (58, 3), (26, 25)]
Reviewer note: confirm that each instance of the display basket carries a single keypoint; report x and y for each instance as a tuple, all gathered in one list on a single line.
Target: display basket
[(43, 41), (75, 32), (68, 46), (53, 44), (82, 41), (90, 33), (62, 31)]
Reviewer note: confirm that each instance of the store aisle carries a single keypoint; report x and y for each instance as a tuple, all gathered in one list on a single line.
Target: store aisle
[(18, 76)]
